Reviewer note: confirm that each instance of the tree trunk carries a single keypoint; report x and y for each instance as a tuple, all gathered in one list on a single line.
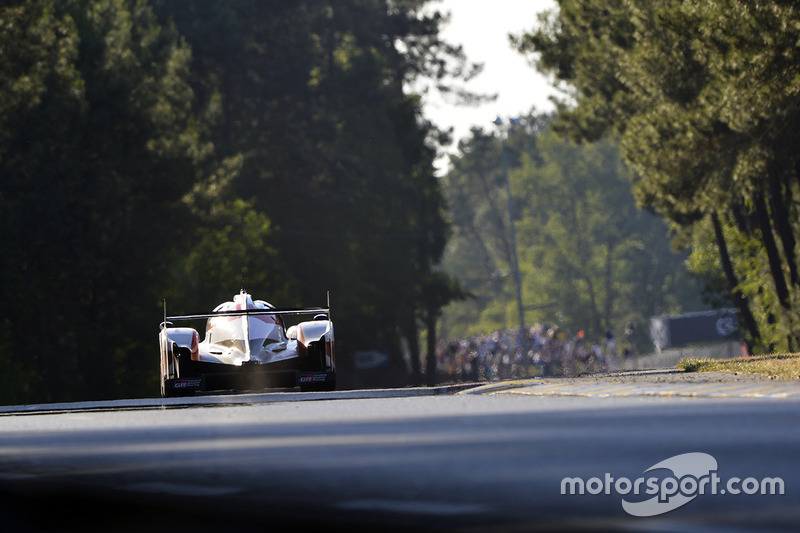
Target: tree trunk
[(411, 334), (430, 366), (608, 305), (775, 263), (780, 216), (739, 299)]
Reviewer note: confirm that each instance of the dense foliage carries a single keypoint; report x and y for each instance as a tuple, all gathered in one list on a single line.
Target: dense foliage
[(589, 259), (705, 101), (175, 149)]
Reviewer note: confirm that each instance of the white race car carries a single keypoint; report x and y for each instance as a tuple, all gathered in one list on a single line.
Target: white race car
[(248, 347)]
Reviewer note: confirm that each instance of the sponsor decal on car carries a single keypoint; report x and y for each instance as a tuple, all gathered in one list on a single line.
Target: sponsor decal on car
[(313, 378), (186, 383)]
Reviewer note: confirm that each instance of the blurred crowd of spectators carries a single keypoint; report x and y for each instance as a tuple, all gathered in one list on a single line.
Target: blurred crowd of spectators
[(540, 351)]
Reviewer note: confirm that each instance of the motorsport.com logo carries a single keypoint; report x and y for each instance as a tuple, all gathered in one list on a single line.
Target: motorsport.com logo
[(693, 474)]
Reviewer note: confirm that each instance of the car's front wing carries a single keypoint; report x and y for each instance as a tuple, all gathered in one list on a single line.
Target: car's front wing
[(203, 377)]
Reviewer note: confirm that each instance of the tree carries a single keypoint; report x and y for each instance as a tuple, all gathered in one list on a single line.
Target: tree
[(96, 154), (702, 99), (589, 258)]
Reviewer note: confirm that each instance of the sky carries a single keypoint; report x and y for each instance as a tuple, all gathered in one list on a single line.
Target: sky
[(482, 28)]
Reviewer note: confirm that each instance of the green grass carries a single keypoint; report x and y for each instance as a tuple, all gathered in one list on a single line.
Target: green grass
[(786, 366)]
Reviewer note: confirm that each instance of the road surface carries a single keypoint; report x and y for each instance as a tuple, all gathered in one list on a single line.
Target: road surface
[(456, 462)]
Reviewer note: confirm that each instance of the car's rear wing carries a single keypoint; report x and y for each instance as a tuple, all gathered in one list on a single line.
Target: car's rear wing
[(247, 312)]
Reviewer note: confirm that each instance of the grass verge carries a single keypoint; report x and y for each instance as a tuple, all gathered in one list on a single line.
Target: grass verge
[(786, 366)]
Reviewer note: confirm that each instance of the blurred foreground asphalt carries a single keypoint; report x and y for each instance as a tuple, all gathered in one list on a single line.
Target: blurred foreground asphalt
[(490, 459)]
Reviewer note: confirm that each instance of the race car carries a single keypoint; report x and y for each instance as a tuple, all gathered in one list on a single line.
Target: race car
[(247, 346)]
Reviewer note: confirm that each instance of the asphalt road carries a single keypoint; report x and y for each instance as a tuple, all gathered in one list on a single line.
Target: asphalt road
[(447, 462)]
